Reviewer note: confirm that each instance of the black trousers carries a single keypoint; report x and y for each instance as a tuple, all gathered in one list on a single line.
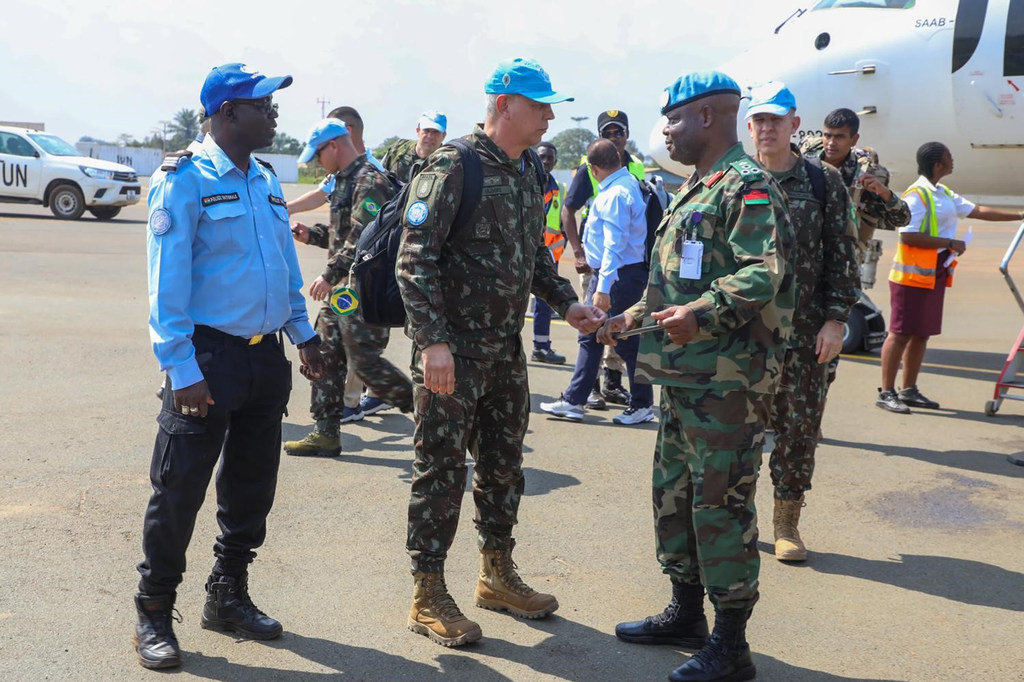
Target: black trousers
[(250, 386)]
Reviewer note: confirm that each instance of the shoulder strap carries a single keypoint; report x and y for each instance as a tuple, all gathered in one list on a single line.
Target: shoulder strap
[(266, 164), (817, 176), (472, 181)]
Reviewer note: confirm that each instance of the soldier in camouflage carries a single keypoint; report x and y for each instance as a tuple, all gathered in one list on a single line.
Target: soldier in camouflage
[(876, 206), (826, 287), (720, 298), (406, 158), (357, 190), (465, 296)]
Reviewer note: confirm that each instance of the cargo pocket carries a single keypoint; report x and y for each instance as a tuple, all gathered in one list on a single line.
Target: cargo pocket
[(179, 434)]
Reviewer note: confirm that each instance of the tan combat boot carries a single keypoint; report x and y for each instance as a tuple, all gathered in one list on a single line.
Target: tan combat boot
[(501, 589), (435, 614), (788, 545)]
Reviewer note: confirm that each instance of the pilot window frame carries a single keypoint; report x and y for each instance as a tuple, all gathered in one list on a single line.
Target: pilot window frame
[(1013, 46), (865, 4)]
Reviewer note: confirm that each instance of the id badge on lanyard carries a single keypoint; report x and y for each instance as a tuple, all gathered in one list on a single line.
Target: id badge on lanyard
[(692, 256)]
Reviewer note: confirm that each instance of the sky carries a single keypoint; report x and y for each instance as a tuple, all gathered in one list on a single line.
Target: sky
[(106, 67)]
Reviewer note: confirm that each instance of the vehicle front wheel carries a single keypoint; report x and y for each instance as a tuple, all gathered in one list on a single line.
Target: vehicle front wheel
[(105, 212), (66, 202)]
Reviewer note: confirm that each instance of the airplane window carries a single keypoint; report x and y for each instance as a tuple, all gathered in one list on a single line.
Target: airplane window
[(970, 19), (1013, 50), (874, 4), (822, 41)]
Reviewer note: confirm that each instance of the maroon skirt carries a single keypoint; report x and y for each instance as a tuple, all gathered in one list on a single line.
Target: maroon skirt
[(916, 311)]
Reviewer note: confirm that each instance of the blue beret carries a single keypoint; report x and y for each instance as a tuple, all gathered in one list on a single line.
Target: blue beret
[(694, 86)]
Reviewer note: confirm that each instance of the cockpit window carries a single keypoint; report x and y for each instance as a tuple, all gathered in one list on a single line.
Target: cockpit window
[(873, 4)]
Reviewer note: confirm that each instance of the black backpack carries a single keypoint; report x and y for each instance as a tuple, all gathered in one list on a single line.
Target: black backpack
[(654, 212), (380, 300)]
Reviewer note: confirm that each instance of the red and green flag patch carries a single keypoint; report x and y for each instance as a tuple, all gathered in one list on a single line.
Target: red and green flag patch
[(756, 197)]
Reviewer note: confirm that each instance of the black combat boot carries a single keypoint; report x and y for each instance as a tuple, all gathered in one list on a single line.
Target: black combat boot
[(154, 638), (229, 609), (726, 656), (681, 624), (613, 391)]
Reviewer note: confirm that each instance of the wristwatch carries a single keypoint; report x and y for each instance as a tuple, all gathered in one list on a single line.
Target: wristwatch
[(314, 340)]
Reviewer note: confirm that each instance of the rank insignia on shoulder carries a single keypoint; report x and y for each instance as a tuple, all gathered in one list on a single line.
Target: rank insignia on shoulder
[(755, 197), (266, 164), (173, 160)]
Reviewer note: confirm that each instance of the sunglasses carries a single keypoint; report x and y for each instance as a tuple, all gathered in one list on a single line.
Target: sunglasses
[(265, 106), (609, 133)]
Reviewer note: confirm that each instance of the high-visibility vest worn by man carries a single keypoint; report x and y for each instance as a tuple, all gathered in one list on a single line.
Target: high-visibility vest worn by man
[(554, 238), (915, 266)]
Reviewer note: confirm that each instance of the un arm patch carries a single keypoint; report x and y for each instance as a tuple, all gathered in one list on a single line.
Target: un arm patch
[(417, 213), (160, 222)]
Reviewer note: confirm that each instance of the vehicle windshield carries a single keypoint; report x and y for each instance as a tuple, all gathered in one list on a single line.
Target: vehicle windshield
[(52, 144), (873, 4)]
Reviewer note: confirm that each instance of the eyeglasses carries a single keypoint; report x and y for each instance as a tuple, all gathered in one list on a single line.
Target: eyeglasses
[(320, 149), (609, 133), (265, 106)]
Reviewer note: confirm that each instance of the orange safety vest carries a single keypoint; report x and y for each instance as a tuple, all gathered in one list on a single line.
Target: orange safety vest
[(554, 238), (915, 266)]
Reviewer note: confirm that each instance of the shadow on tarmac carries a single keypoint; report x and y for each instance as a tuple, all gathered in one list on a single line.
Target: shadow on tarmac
[(961, 580), (961, 364), (978, 461), (71, 223)]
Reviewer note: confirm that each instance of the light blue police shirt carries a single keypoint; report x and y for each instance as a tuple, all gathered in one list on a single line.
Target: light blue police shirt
[(221, 254), (616, 228)]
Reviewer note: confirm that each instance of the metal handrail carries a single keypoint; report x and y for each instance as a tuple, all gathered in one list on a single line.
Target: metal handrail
[(1004, 266)]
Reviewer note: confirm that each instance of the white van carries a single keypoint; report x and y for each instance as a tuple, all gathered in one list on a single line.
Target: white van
[(40, 168)]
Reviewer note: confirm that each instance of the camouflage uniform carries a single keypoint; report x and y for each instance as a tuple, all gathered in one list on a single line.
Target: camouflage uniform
[(470, 290), (872, 213), (403, 161), (825, 268), (717, 388), (359, 192)]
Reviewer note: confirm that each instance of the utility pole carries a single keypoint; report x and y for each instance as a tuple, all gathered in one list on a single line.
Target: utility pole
[(163, 134), (579, 120), (323, 102)]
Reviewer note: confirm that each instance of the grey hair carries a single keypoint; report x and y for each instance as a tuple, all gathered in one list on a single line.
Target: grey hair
[(492, 104)]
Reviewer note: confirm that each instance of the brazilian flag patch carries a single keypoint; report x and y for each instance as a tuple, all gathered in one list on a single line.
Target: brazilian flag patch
[(756, 197), (371, 207)]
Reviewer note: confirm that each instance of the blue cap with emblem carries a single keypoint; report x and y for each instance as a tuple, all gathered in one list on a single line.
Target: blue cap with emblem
[(320, 134), (697, 85), (433, 120), (771, 98), (237, 81), (523, 77)]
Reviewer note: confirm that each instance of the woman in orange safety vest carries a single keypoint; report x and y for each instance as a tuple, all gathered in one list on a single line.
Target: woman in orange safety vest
[(921, 271)]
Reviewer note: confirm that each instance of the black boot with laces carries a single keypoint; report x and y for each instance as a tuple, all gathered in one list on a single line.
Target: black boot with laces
[(230, 609), (681, 624), (726, 656), (154, 638)]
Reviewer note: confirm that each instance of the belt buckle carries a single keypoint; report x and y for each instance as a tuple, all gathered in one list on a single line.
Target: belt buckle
[(256, 339)]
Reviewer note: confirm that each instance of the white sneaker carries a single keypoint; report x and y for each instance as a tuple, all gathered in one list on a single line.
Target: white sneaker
[(560, 408), (634, 415)]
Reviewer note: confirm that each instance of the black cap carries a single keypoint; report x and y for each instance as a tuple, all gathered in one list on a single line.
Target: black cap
[(615, 116)]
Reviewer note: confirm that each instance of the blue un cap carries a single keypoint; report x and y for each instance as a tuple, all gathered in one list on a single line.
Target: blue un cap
[(523, 77), (694, 86), (323, 132), (433, 120), (771, 98), (237, 81)]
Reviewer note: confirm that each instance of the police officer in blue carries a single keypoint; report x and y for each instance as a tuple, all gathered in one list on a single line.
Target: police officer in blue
[(223, 281)]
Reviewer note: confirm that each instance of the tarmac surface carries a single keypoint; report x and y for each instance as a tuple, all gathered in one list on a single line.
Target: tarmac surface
[(915, 522)]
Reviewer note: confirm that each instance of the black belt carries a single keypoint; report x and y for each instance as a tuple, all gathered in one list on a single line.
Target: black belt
[(237, 340)]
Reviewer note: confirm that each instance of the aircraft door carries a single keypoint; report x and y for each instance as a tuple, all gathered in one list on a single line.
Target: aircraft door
[(20, 167)]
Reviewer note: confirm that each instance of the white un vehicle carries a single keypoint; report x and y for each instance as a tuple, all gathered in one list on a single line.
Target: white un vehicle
[(40, 168)]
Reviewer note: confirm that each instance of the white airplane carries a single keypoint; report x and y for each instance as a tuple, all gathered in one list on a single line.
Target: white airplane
[(915, 71)]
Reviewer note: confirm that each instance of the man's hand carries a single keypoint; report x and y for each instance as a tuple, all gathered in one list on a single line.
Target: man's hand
[(585, 318), (613, 325), (830, 341), (193, 400), (958, 245), (679, 322), (320, 289), (300, 233), (603, 301), (875, 186), (439, 369), (580, 261), (312, 363)]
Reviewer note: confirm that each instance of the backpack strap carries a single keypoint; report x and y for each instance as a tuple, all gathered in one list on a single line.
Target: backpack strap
[(472, 182), (816, 174)]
